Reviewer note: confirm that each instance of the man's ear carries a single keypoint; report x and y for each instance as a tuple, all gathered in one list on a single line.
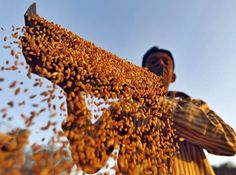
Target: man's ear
[(173, 78)]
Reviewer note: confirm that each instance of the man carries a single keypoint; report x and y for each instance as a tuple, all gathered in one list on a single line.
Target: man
[(198, 126)]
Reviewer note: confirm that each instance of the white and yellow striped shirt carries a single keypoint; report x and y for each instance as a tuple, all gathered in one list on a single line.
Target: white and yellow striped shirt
[(201, 128)]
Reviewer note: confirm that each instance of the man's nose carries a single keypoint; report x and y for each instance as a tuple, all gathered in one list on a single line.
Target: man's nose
[(160, 63)]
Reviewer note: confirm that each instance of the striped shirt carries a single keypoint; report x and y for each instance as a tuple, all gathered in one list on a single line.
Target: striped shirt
[(200, 128)]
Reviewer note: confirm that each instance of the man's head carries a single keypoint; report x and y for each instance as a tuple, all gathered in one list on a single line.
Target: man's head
[(160, 62)]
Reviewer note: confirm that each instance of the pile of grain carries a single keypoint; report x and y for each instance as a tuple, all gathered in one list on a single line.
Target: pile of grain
[(138, 123)]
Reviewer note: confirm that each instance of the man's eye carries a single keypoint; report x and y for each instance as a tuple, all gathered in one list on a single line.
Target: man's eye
[(166, 62), (151, 61)]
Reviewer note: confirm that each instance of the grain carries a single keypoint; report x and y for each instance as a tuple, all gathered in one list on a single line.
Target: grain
[(133, 122), (79, 67), (13, 84)]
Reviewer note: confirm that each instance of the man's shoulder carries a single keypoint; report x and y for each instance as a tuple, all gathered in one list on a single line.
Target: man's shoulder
[(183, 97), (178, 95)]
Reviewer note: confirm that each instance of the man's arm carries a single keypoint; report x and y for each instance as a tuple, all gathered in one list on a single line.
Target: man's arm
[(196, 123)]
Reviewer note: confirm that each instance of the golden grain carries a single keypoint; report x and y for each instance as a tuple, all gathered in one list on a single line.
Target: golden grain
[(138, 122), (17, 91)]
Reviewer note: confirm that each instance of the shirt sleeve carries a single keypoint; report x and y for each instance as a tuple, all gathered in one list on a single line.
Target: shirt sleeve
[(196, 123)]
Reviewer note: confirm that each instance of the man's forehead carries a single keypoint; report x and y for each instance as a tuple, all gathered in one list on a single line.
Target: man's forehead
[(159, 54)]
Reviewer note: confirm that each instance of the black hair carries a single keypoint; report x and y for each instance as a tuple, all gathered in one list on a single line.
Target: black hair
[(156, 49)]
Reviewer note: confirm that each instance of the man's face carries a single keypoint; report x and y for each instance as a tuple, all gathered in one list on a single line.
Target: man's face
[(161, 64)]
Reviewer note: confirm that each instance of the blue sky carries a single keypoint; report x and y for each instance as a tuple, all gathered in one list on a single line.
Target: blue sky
[(200, 34)]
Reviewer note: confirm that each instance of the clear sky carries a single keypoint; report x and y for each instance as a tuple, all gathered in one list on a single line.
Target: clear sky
[(200, 34)]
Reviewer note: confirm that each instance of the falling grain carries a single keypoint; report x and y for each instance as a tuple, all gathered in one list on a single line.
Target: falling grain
[(13, 84), (17, 91)]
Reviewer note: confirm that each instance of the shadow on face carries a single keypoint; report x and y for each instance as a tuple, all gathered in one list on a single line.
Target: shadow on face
[(161, 64)]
